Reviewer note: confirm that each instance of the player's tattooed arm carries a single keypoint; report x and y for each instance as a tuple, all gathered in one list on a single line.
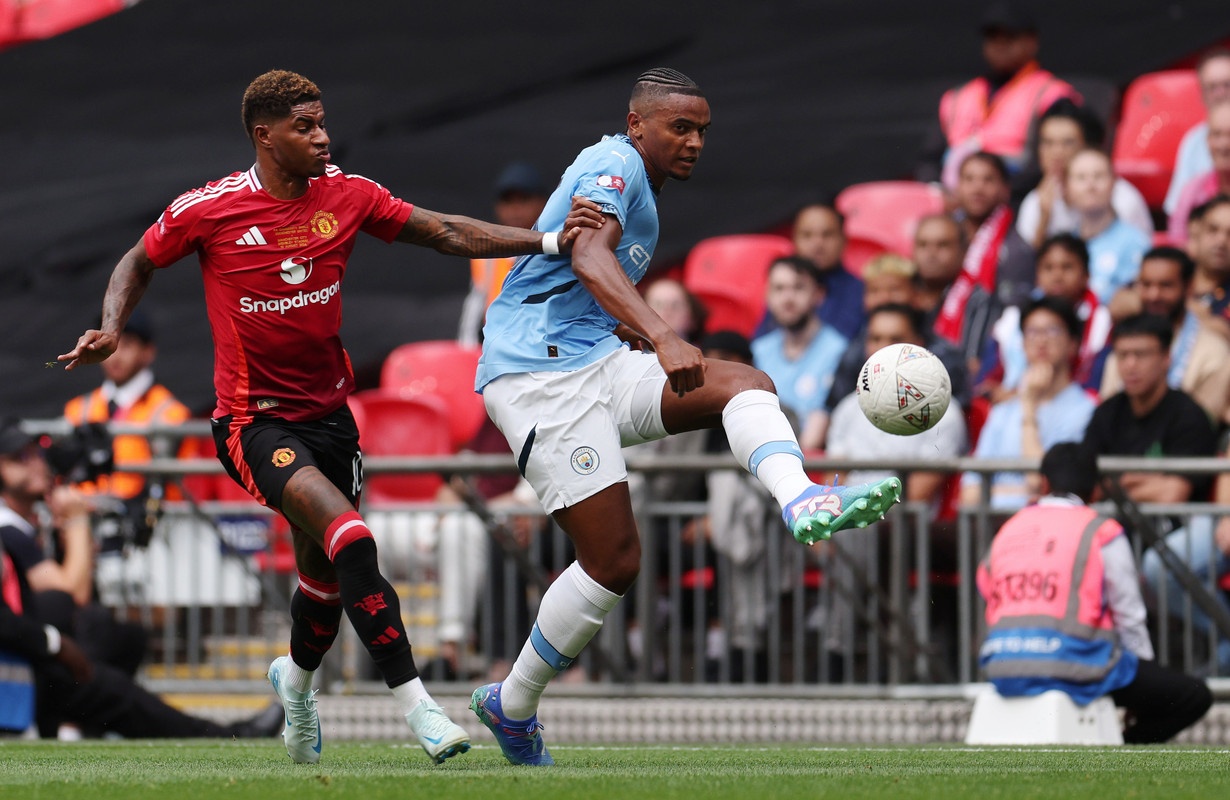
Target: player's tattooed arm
[(128, 283), (464, 236)]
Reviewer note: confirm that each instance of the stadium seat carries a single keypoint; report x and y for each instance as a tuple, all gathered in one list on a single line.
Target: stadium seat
[(1158, 108), (443, 368), (403, 425), (29, 20), (883, 215), (727, 274)]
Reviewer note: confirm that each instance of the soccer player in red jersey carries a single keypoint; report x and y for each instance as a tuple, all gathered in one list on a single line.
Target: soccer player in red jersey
[(273, 243)]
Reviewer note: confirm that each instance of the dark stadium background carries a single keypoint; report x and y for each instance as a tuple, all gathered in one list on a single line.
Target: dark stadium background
[(103, 126)]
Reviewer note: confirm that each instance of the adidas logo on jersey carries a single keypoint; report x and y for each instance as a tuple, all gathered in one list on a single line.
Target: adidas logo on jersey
[(253, 236)]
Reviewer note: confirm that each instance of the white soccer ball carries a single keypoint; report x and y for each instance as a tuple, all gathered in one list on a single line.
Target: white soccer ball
[(904, 389)]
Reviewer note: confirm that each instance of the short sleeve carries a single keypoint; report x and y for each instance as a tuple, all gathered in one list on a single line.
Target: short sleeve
[(387, 214), (171, 238), (609, 180)]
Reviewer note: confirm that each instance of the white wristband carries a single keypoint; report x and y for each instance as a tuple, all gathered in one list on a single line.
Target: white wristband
[(53, 640), (550, 243)]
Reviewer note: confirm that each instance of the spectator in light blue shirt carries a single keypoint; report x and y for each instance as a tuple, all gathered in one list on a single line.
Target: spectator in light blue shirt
[(1115, 247), (801, 355)]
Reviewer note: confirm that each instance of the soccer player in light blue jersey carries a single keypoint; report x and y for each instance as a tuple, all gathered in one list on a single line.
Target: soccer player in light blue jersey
[(576, 365)]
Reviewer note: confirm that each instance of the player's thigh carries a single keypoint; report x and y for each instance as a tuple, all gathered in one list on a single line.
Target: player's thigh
[(562, 430), (702, 408), (264, 455)]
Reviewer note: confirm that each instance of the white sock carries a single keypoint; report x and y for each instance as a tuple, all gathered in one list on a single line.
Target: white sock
[(410, 694), (297, 677), (570, 614), (761, 438)]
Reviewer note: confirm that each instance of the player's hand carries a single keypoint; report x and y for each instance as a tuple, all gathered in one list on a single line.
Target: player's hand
[(584, 213), (93, 346), (74, 658), (684, 364)]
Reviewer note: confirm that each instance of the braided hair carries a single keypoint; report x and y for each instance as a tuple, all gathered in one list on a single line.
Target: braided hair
[(661, 81)]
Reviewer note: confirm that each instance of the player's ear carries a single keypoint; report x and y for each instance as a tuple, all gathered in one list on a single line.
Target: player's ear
[(260, 135), (635, 125)]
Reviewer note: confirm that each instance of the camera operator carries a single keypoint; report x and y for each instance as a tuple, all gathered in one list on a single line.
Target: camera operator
[(38, 517)]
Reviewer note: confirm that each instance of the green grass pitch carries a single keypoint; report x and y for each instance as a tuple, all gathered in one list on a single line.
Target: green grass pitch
[(202, 770)]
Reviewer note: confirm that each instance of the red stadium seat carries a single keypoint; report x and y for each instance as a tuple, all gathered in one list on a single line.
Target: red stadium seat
[(403, 425), (1158, 108), (443, 368), (883, 215), (29, 20), (727, 274)]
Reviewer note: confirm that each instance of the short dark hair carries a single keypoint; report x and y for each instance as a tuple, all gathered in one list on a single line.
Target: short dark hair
[(1145, 325), (1187, 267), (913, 316), (996, 163), (1066, 241), (272, 95), (1092, 129), (1058, 306), (1220, 51), (801, 266), (1071, 468), (1198, 213)]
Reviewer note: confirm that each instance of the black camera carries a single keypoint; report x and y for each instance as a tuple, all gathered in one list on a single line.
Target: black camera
[(86, 454)]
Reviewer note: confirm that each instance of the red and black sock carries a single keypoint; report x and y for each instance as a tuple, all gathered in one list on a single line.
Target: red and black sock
[(315, 611)]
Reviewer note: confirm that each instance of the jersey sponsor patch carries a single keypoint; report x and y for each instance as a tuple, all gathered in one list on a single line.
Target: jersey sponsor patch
[(611, 182)]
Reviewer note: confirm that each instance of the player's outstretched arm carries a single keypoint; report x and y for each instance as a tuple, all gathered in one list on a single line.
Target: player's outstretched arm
[(464, 236), (597, 268), (128, 282)]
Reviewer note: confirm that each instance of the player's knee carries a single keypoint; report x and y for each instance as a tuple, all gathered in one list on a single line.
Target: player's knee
[(617, 571)]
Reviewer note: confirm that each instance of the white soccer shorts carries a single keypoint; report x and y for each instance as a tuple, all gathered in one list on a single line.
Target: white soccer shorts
[(567, 429)]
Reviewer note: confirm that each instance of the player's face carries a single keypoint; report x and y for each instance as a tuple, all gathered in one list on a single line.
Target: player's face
[(1161, 288), (818, 236), (298, 143), (888, 328), (1061, 274), (791, 297), (937, 251), (670, 134), (980, 189), (1142, 364)]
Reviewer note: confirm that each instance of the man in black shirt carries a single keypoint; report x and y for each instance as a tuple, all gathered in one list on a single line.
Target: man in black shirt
[(1148, 418)]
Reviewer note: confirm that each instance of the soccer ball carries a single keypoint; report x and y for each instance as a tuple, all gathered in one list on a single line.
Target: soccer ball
[(903, 389)]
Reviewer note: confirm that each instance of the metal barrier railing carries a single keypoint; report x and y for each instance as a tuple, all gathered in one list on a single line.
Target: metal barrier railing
[(890, 605)]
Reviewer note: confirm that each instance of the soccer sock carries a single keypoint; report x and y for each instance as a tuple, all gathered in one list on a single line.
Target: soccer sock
[(570, 614), (409, 694), (762, 440), (368, 599), (315, 610)]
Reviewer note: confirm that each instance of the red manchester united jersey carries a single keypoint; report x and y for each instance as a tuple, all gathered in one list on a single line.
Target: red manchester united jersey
[(273, 272)]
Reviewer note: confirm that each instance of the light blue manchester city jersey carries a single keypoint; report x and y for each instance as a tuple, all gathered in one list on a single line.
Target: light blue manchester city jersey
[(543, 318)]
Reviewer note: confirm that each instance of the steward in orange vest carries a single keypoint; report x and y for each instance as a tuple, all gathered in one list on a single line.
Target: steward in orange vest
[(995, 113), (1064, 609)]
